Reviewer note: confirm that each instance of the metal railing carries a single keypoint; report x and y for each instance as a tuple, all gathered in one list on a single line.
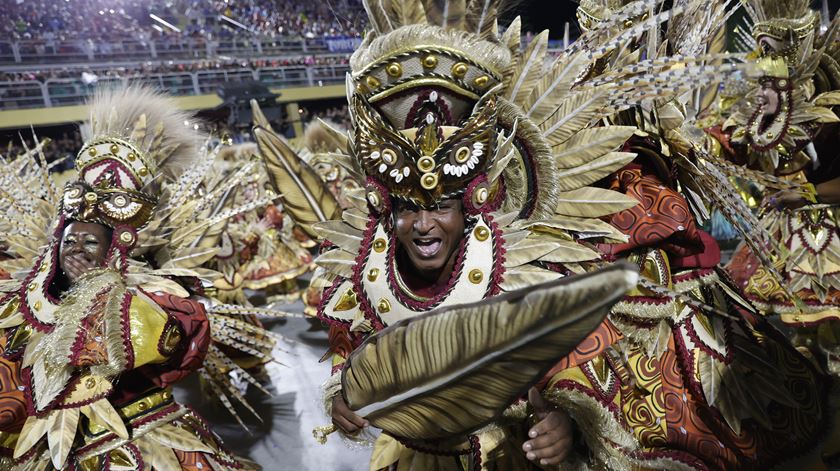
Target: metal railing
[(45, 51), (64, 92)]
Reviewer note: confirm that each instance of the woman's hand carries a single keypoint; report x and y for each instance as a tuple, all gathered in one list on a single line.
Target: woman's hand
[(552, 437), (76, 266), (786, 200), (348, 421)]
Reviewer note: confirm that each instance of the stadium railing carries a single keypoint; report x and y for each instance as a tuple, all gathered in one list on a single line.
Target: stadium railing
[(64, 92), (90, 50)]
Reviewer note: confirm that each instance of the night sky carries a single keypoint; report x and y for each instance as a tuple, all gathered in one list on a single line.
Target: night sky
[(538, 15)]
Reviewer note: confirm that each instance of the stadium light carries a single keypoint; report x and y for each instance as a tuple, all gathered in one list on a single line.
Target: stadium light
[(235, 23), (164, 22)]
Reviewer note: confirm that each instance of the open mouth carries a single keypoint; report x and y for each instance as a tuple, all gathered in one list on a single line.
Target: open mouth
[(427, 247)]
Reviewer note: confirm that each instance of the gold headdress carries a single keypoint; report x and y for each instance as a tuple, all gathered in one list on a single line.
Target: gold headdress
[(791, 22), (139, 139)]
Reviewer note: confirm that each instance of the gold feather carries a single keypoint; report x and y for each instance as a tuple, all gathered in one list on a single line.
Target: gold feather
[(378, 16), (570, 252), (525, 276), (574, 113), (528, 71), (103, 413), (258, 116), (588, 144), (405, 12), (574, 178), (592, 202), (176, 438), (529, 250), (483, 355), (305, 196), (587, 226), (61, 433), (340, 234), (357, 219), (156, 456), (338, 262), (33, 429), (481, 18), (448, 14), (190, 258)]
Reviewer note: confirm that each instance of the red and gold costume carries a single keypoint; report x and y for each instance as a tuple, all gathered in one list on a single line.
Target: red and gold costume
[(442, 107), (790, 148), (88, 366)]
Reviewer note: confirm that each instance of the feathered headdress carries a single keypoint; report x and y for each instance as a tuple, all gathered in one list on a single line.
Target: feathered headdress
[(139, 140)]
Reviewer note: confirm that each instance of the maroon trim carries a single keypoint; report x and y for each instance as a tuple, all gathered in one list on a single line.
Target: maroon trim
[(125, 324), (607, 395), (807, 246), (111, 436), (371, 183), (131, 448), (692, 275), (326, 297), (361, 260), (679, 456), (467, 199), (727, 337), (788, 94), (422, 99), (686, 364), (496, 279), (171, 323), (569, 385)]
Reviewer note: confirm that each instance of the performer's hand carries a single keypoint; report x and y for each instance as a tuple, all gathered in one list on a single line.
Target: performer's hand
[(785, 200), (551, 439), (76, 266), (345, 419)]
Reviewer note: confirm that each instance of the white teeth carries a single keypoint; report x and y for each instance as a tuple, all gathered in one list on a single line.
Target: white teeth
[(382, 168), (433, 96)]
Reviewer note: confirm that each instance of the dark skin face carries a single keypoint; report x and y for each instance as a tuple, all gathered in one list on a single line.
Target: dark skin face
[(84, 247), (430, 238)]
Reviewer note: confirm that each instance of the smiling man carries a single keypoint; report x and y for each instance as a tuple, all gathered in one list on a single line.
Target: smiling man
[(428, 239)]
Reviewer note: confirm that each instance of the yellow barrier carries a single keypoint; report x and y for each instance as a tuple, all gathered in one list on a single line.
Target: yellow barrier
[(71, 114)]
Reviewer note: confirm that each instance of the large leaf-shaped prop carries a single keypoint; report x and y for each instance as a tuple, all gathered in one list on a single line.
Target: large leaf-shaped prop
[(449, 372), (305, 196)]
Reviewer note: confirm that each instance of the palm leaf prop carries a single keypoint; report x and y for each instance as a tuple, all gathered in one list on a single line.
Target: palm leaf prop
[(460, 367), (305, 196)]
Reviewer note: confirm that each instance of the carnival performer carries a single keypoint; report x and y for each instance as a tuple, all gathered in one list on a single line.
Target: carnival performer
[(96, 331), (783, 134), (478, 167)]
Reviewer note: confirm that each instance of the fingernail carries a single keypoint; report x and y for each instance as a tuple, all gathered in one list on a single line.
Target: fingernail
[(531, 456), (533, 434), (543, 461), (527, 446)]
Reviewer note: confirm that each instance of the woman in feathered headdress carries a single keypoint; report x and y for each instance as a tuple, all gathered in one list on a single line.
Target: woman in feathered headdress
[(93, 337)]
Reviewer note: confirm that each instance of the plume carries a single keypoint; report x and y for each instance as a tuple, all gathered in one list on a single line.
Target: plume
[(460, 367)]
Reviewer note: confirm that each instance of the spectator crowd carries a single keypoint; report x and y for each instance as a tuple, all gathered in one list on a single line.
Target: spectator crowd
[(53, 20)]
